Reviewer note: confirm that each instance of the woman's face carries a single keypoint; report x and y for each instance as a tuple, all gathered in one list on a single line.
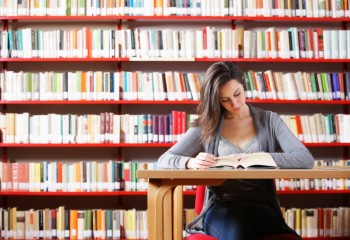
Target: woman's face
[(232, 97)]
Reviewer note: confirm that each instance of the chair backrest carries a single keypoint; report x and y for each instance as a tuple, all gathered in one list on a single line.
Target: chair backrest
[(200, 192)]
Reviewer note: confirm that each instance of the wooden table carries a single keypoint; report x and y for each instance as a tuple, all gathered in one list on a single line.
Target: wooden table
[(165, 202)]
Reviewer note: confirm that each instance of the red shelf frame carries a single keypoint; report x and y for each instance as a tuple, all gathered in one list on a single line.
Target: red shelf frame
[(333, 144), (84, 145), (166, 102), (279, 101), (124, 145), (263, 60), (174, 18), (328, 238), (144, 193), (274, 60), (64, 59), (124, 102)]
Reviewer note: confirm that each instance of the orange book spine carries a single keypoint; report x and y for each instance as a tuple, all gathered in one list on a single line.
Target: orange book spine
[(105, 176), (59, 177), (99, 224), (73, 224), (134, 85), (255, 82), (78, 176), (182, 85), (197, 83), (83, 84)]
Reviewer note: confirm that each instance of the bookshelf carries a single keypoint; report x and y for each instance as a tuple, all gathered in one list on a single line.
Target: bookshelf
[(131, 151)]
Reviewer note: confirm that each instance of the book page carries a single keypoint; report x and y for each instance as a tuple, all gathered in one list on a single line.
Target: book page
[(259, 160)]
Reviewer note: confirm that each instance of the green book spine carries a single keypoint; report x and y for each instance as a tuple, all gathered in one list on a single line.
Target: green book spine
[(109, 223), (68, 8)]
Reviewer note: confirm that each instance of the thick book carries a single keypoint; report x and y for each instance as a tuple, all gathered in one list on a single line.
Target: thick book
[(251, 160)]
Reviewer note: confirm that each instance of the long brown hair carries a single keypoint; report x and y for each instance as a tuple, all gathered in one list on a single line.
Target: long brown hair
[(209, 109)]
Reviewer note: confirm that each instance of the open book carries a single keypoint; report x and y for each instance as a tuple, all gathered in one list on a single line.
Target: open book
[(251, 160)]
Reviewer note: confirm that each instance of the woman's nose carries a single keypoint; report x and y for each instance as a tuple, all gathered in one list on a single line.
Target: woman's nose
[(234, 103)]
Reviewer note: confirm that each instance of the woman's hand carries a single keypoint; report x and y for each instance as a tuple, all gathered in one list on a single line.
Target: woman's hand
[(201, 161)]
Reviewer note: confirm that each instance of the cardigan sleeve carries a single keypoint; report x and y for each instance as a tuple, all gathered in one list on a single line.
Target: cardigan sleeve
[(177, 156), (294, 154)]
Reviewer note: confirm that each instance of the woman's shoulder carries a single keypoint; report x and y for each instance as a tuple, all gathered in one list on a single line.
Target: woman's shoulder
[(262, 113), (194, 129)]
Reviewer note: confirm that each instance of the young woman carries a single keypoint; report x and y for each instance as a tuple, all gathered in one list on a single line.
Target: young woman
[(227, 125)]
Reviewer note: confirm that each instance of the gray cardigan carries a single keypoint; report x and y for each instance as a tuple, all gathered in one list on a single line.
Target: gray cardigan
[(274, 137)]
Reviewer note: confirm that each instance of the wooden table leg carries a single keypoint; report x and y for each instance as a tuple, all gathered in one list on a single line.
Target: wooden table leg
[(159, 200), (168, 214), (178, 213)]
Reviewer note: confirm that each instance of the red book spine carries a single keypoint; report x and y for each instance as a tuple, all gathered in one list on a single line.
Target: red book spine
[(22, 176), (53, 223), (341, 86), (127, 176), (320, 222), (320, 42), (327, 222), (205, 39), (15, 175), (299, 128), (175, 130), (310, 40), (183, 123)]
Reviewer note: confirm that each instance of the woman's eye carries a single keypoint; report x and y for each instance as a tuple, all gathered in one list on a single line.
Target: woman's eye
[(236, 95)]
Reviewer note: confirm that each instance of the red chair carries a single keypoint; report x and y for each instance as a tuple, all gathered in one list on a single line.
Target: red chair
[(198, 208)]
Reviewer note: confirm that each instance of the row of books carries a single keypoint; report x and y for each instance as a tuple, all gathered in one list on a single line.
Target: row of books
[(82, 85), (319, 128), (297, 85), (312, 184), (64, 223), (106, 127), (111, 176), (207, 41), (296, 43), (138, 85), (308, 8), (319, 222), (290, 184), (147, 128), (82, 176)]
